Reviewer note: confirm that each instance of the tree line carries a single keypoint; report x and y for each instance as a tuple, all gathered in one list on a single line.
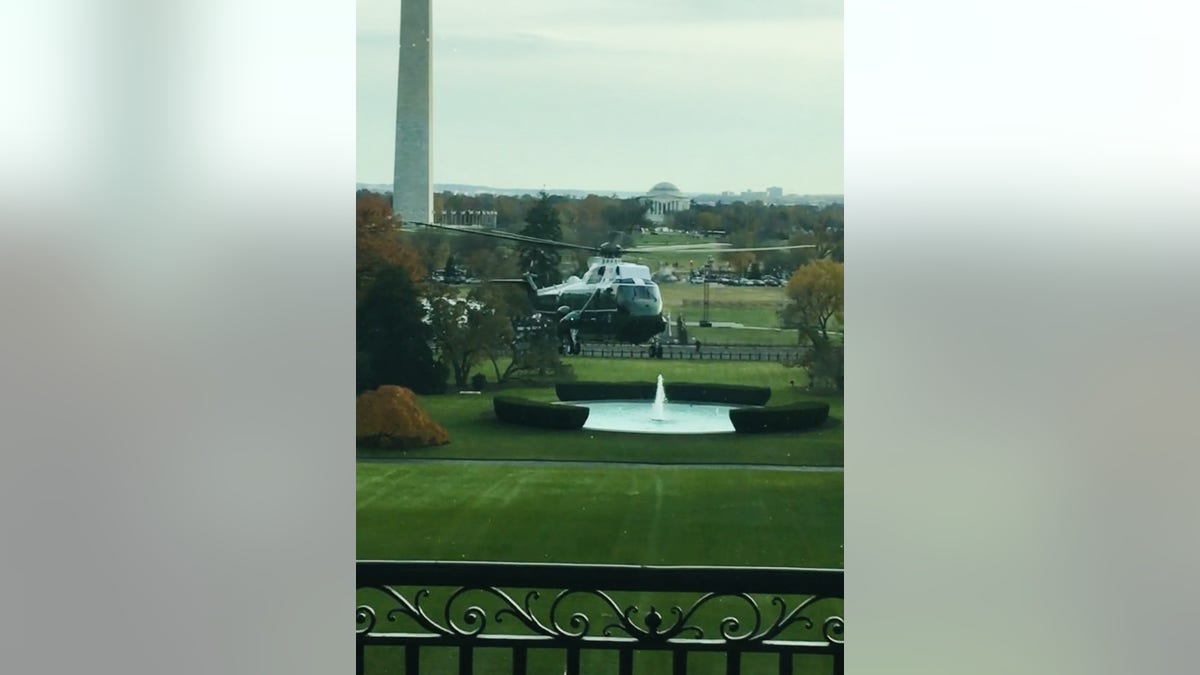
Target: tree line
[(419, 334), (595, 219)]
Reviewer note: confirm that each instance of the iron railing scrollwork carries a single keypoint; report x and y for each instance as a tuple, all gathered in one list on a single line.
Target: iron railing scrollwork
[(579, 607)]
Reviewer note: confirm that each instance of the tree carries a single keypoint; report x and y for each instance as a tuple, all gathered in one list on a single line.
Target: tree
[(542, 221), (708, 221), (534, 348), (530, 343), (378, 243), (465, 331), (432, 247), (495, 263), (392, 338), (627, 215), (815, 296), (740, 261)]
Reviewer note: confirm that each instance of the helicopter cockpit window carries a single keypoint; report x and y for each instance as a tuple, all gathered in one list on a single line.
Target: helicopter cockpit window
[(635, 292), (596, 275)]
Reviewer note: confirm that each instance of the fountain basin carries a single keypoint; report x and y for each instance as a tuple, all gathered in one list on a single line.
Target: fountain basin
[(638, 417)]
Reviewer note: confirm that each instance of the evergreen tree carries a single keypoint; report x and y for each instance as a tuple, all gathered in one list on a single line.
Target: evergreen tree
[(542, 221), (394, 339)]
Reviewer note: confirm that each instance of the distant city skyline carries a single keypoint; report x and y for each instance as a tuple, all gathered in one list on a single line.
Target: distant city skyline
[(711, 95), (458, 187)]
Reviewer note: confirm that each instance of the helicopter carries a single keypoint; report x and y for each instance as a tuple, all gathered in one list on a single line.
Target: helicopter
[(613, 301)]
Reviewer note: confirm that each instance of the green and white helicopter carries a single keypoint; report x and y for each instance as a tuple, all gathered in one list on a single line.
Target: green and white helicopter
[(614, 301)]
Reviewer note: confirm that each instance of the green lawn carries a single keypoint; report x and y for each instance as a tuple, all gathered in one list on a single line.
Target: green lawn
[(677, 293), (639, 515), (475, 433), (749, 305), (666, 515), (668, 239), (644, 515), (732, 337)]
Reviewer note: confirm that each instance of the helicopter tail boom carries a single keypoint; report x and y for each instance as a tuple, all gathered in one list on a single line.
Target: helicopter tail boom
[(527, 281)]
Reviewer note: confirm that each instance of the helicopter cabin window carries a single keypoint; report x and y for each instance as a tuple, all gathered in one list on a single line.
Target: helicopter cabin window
[(606, 299)]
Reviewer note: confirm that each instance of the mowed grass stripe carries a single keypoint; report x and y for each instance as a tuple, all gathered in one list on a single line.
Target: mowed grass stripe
[(591, 515)]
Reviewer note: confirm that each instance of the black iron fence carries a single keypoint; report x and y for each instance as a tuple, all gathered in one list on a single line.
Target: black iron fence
[(485, 617), (777, 354)]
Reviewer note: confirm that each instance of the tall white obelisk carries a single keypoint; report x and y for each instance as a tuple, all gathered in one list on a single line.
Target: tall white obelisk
[(412, 193)]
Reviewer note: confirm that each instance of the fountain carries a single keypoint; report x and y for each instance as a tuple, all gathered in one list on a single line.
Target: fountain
[(657, 410), (660, 417)]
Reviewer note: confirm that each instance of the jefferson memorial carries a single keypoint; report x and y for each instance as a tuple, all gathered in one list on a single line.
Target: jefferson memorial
[(663, 199)]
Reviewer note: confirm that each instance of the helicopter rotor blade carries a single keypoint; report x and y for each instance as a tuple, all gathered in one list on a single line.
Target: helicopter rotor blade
[(495, 234), (684, 248)]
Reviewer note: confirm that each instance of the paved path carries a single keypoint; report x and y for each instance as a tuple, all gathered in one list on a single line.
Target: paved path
[(585, 464)]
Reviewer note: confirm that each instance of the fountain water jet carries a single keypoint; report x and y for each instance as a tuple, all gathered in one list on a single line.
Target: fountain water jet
[(658, 410), (663, 417)]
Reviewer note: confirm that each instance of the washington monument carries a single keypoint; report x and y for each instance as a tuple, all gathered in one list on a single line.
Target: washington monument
[(412, 193)]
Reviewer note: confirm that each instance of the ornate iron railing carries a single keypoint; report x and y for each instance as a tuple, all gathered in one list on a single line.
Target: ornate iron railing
[(776, 617)]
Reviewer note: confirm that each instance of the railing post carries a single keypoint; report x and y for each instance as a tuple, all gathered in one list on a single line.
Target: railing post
[(412, 660), (572, 661), (678, 662), (466, 661), (519, 660), (733, 663), (625, 662), (785, 663)]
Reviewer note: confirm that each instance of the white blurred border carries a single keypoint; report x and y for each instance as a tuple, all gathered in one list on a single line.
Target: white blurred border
[(176, 293), (176, 280), (1022, 296)]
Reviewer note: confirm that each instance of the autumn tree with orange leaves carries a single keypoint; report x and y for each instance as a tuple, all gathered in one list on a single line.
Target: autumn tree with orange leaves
[(379, 243), (816, 294)]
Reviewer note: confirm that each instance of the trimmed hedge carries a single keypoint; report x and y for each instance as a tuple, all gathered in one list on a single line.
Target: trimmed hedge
[(791, 417), (734, 394), (530, 413), (602, 391)]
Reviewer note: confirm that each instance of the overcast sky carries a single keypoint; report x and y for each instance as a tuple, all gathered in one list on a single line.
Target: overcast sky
[(617, 95)]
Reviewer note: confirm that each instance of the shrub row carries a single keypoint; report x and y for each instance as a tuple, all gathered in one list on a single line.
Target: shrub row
[(735, 394), (601, 391), (530, 413), (790, 417)]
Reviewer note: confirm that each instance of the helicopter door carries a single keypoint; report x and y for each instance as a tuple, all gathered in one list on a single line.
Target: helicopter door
[(597, 318)]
